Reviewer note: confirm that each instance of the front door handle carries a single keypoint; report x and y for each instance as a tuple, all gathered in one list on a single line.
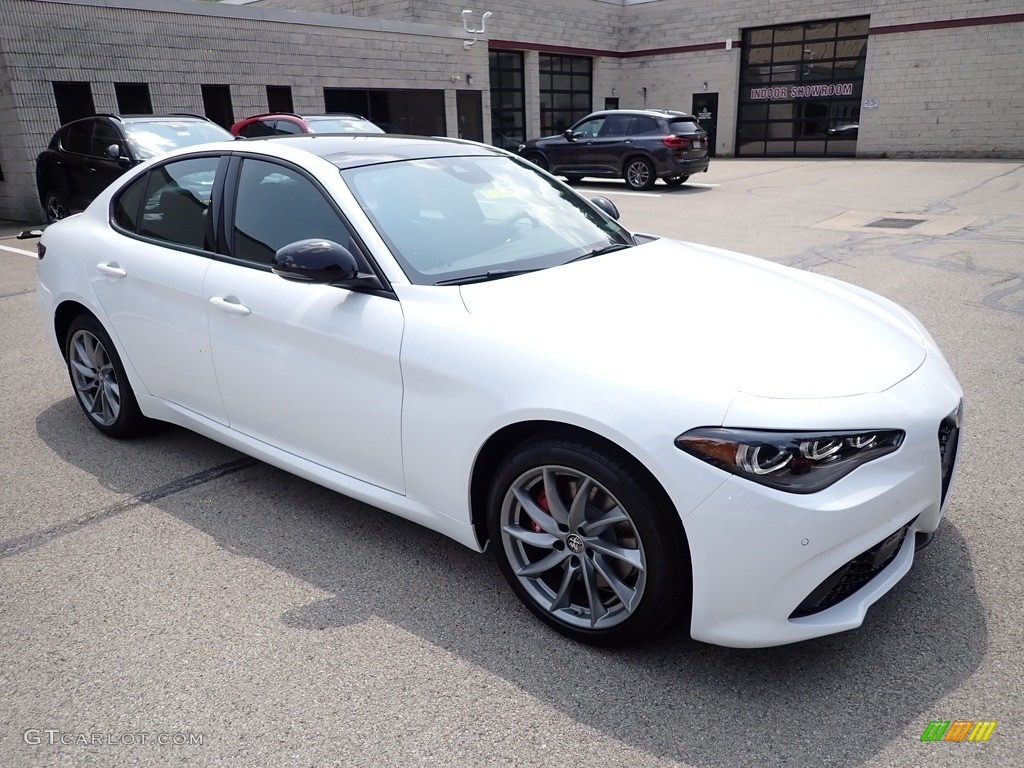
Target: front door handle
[(111, 270), (230, 304)]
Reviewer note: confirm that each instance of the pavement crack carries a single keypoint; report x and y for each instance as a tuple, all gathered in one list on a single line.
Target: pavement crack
[(22, 544)]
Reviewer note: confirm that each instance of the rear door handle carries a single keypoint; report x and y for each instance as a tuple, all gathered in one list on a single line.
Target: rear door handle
[(111, 270), (230, 304)]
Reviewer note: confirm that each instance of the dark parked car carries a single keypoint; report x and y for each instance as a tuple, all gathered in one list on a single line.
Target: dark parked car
[(640, 145), (284, 123), (86, 155)]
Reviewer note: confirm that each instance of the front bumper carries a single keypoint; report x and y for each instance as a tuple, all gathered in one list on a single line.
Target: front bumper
[(771, 567)]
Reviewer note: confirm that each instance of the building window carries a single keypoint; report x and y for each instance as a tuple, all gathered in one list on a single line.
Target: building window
[(508, 99), (74, 100), (801, 88), (565, 91), (279, 98), (133, 98), (217, 104), (419, 112)]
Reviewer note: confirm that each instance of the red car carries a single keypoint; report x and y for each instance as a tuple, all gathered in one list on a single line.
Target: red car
[(283, 123)]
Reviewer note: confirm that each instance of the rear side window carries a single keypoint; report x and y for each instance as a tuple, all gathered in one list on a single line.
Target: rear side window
[(642, 124), (684, 126), (177, 202)]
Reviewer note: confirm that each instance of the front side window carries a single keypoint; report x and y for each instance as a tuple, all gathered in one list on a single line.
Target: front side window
[(257, 128), (276, 206), (176, 203), (451, 218), (589, 128), (79, 137), (104, 135)]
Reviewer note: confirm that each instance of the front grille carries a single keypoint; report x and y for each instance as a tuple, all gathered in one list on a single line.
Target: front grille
[(949, 439), (852, 576)]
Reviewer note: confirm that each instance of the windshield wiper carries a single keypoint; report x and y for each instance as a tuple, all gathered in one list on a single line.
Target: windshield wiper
[(601, 251), (494, 274)]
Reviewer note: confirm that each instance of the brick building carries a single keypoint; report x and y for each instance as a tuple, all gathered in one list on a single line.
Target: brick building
[(864, 78)]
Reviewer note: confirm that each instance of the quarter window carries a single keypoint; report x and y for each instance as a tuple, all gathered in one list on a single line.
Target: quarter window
[(177, 203), (276, 206), (128, 204)]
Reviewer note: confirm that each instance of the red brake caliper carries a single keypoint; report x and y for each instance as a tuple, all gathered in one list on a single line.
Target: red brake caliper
[(542, 502)]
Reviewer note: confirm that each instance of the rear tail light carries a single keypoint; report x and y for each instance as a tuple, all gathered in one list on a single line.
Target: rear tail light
[(40, 250), (676, 142)]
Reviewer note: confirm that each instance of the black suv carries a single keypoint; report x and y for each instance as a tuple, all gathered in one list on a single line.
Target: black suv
[(640, 145), (85, 155)]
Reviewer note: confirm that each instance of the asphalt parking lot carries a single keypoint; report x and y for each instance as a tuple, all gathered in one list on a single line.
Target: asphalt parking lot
[(168, 601)]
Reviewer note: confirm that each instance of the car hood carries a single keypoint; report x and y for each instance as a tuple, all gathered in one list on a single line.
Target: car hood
[(668, 312)]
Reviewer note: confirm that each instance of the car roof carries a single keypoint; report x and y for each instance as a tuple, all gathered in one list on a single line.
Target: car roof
[(331, 115), (354, 150), (652, 112)]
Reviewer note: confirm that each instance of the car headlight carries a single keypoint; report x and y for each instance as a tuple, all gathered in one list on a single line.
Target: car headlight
[(797, 462)]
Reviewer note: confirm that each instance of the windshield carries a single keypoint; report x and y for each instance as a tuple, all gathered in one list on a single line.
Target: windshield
[(341, 125), (463, 217), (149, 139)]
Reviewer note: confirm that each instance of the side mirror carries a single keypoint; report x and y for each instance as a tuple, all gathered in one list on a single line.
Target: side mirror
[(114, 152), (320, 261), (607, 206), (568, 134)]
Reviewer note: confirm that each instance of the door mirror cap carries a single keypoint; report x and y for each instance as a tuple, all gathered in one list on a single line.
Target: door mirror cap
[(317, 260), (568, 134), (114, 152), (606, 206)]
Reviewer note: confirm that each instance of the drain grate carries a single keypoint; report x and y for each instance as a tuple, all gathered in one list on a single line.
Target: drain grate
[(895, 223)]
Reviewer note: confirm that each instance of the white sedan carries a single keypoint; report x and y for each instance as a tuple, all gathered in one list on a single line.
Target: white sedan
[(642, 430)]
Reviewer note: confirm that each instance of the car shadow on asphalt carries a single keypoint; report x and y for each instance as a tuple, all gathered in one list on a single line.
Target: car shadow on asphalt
[(589, 187), (834, 701)]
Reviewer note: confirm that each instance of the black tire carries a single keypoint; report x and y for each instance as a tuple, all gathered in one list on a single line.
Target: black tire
[(54, 206), (639, 173), (100, 383), (675, 181), (537, 159), (574, 179), (597, 577)]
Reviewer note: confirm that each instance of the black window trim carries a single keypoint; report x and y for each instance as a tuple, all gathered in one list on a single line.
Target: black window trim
[(214, 207)]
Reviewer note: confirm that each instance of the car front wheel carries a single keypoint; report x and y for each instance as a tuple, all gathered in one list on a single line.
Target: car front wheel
[(99, 380), (639, 173), (588, 542)]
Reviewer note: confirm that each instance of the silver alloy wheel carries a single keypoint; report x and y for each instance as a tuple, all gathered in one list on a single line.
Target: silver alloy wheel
[(573, 547), (638, 174), (95, 378)]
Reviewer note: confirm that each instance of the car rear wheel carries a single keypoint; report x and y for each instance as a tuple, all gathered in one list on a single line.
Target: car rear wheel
[(639, 173), (587, 542), (99, 380), (675, 181), (54, 206), (537, 159)]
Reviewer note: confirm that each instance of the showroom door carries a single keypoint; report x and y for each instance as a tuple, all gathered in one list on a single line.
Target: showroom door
[(705, 109)]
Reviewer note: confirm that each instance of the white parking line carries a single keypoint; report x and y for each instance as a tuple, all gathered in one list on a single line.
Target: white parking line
[(18, 250)]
